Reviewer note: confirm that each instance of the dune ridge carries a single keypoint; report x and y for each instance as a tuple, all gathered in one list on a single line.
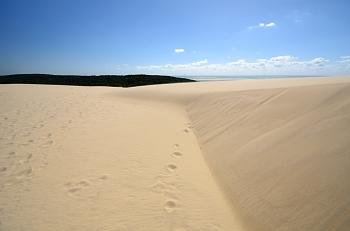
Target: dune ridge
[(278, 148)]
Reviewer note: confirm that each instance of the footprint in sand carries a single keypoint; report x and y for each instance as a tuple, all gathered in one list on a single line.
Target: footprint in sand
[(27, 134), (25, 172), (26, 143), (46, 136), (169, 206), (74, 190), (8, 144), (176, 145), (10, 154), (47, 144), (171, 167), (188, 125), (84, 183), (103, 177), (12, 137), (73, 186), (185, 131), (26, 158), (76, 186), (18, 176), (3, 169), (65, 125), (176, 154), (38, 126)]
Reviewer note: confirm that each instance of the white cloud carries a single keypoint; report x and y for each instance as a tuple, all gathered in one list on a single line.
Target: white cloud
[(271, 24), (199, 63), (239, 63), (176, 67), (345, 57), (286, 65), (285, 58), (179, 50), (318, 62)]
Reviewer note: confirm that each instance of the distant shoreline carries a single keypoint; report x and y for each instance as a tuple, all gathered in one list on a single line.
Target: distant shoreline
[(203, 78)]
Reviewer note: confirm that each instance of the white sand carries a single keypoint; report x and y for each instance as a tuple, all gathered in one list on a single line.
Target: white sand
[(238, 155)]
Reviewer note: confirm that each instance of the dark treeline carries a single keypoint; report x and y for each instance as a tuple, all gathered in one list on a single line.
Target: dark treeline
[(101, 80)]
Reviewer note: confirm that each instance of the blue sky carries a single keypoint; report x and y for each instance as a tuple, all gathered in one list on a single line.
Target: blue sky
[(175, 37)]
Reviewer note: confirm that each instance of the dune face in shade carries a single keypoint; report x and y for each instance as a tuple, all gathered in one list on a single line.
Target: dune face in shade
[(281, 155)]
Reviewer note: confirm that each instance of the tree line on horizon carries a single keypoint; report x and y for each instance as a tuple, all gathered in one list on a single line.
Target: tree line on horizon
[(100, 80)]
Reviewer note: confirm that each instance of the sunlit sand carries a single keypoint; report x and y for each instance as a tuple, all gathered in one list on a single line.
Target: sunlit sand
[(232, 155)]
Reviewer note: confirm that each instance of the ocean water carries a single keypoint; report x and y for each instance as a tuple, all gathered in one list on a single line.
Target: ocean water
[(239, 77)]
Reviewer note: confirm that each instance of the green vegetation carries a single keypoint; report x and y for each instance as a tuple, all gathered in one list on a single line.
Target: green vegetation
[(101, 80)]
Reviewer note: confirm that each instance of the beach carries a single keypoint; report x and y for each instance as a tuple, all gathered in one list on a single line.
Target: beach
[(269, 154)]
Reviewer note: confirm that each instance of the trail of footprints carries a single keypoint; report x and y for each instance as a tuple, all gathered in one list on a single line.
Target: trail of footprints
[(17, 171), (188, 128), (15, 166), (73, 186), (23, 150), (167, 183)]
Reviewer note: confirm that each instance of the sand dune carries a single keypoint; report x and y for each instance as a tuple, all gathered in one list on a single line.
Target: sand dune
[(77, 158), (282, 155), (239, 155)]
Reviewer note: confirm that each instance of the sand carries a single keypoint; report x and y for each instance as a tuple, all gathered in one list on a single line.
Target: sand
[(237, 155)]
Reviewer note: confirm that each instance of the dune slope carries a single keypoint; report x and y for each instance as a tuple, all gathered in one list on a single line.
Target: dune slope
[(281, 155)]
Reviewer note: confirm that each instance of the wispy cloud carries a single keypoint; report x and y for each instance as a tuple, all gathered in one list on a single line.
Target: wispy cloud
[(188, 66), (271, 24), (179, 50), (345, 60)]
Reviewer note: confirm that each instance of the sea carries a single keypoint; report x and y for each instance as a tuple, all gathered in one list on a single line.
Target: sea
[(201, 78)]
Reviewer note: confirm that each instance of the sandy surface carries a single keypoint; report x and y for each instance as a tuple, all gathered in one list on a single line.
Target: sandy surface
[(238, 155)]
